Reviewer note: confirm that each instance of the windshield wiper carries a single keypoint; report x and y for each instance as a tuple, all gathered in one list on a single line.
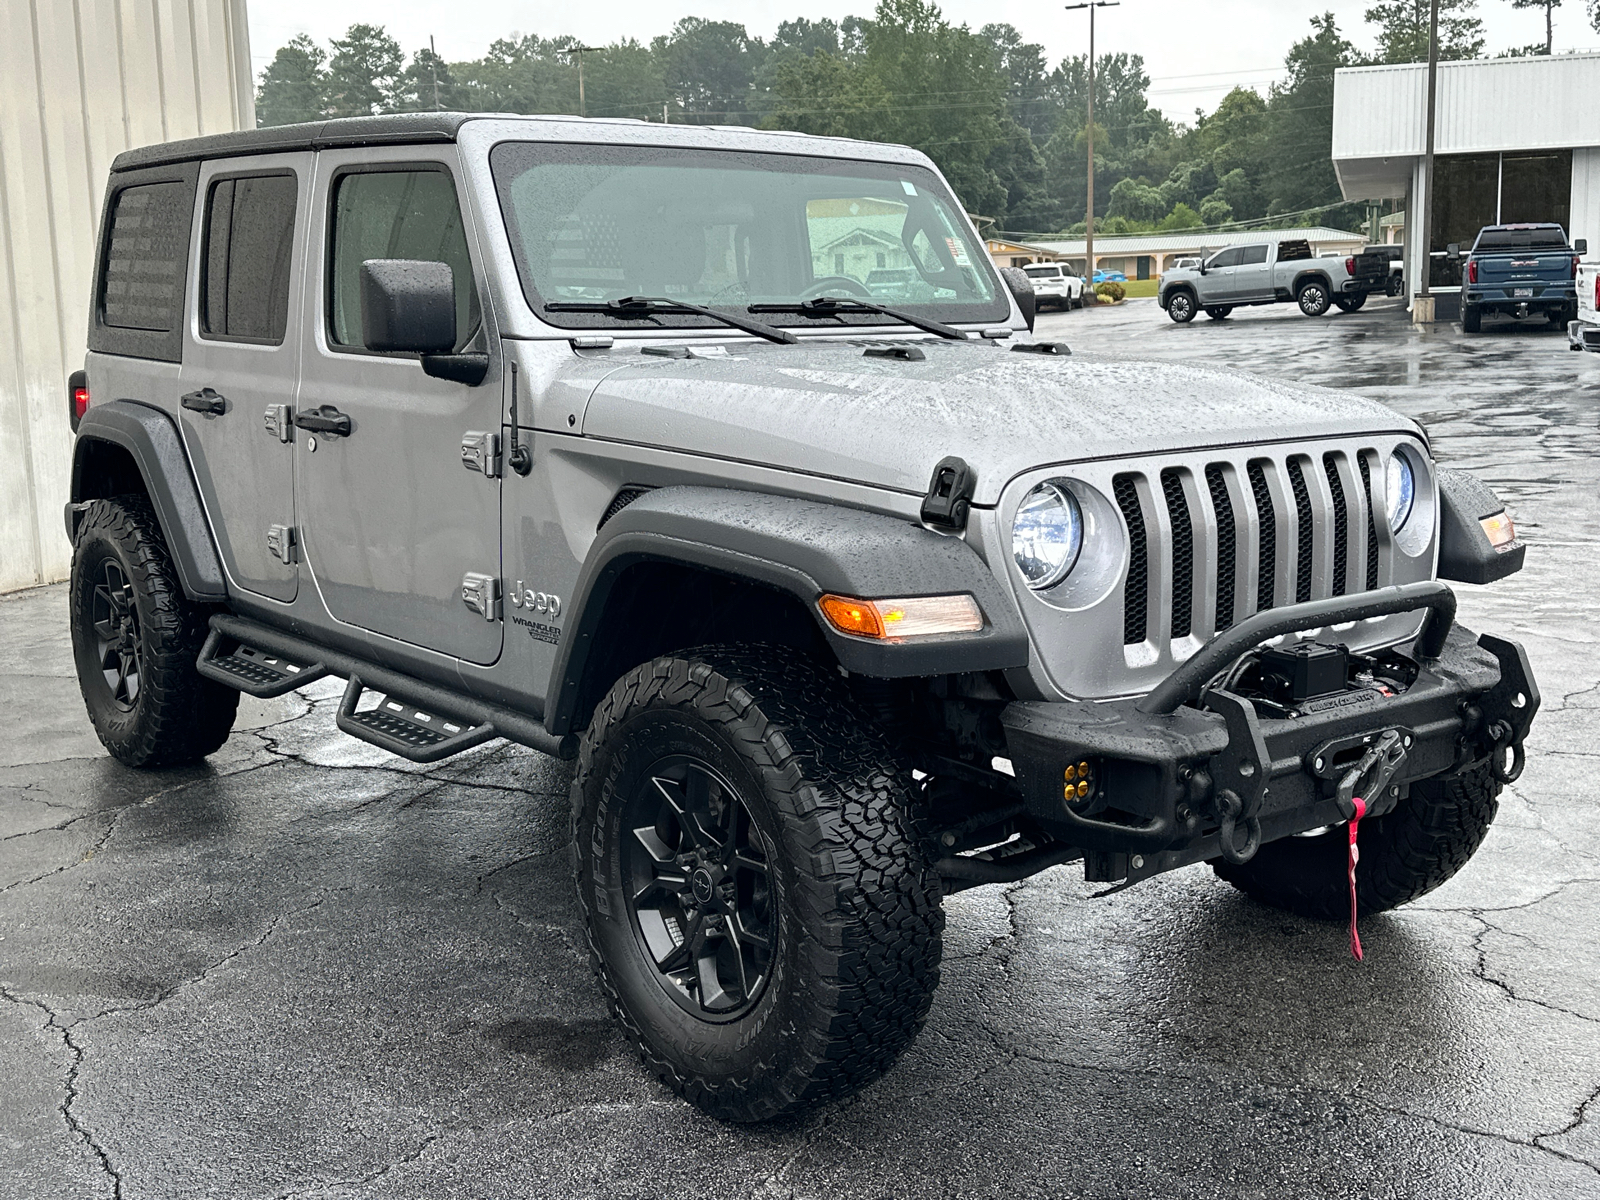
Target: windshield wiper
[(635, 307), (832, 306)]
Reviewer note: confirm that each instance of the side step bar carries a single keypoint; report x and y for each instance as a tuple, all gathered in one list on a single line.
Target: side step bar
[(417, 720)]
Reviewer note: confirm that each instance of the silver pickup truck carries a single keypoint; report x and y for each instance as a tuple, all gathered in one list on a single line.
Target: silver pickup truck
[(1271, 273)]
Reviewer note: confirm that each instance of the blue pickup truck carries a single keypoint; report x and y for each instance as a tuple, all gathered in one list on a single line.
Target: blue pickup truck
[(1519, 270)]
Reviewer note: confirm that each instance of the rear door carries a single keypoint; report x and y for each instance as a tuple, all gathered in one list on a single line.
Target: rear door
[(241, 361), (1252, 278), (393, 521)]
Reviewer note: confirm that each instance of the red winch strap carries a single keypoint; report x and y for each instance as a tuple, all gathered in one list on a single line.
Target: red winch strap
[(1355, 855)]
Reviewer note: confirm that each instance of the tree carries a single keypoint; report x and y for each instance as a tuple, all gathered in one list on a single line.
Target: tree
[(1549, 7), (426, 85), (1403, 30), (294, 85), (364, 73), (1299, 147), (709, 66)]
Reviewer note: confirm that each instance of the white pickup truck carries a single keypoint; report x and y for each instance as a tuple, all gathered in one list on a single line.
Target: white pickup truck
[(1271, 273), (1584, 333)]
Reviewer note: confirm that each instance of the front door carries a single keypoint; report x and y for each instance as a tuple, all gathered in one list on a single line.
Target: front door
[(1220, 286), (1252, 278), (241, 361), (393, 522)]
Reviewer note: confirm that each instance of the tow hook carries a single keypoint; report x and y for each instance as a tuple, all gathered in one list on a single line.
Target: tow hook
[(1371, 775), (1240, 772)]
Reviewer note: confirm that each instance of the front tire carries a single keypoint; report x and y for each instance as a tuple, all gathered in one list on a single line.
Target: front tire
[(1181, 307), (1405, 853), (761, 918), (135, 638), (1313, 298)]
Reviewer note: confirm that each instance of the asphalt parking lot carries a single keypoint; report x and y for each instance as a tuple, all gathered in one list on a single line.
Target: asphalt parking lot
[(309, 969)]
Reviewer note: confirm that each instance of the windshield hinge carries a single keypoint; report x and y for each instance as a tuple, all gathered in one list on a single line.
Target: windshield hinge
[(950, 494)]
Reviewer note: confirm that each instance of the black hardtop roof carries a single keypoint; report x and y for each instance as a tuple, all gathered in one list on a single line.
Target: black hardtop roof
[(399, 128)]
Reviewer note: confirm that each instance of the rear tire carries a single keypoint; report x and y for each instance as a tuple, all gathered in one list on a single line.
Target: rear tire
[(759, 912), (1350, 304), (1471, 319), (135, 638), (1219, 311), (1313, 298), (1181, 307), (1405, 853)]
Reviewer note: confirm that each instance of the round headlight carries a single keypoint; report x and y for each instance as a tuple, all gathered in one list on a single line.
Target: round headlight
[(1400, 490), (1046, 535)]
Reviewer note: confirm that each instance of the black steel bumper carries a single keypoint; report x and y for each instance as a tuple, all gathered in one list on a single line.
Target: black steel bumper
[(1171, 768)]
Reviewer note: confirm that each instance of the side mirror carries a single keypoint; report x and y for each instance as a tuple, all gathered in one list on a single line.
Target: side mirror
[(1581, 245), (408, 306), (1452, 251), (1021, 289)]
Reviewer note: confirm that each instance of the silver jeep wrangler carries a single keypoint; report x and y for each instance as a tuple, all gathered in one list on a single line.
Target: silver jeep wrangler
[(598, 436)]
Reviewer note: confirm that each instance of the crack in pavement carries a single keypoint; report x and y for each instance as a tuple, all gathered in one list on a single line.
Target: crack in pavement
[(323, 1189)]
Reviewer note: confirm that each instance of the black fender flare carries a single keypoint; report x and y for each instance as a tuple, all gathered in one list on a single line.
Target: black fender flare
[(152, 441), (807, 549)]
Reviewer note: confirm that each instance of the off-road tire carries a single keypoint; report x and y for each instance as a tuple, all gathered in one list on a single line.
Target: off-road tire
[(854, 901), (1405, 853), (1181, 307), (175, 716), (1350, 304), (1471, 319), (1313, 298), (1218, 311)]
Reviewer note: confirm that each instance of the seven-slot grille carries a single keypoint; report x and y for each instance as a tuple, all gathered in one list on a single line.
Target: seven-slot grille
[(1209, 546)]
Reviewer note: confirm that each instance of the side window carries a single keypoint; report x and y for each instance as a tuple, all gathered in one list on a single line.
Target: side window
[(1253, 255), (249, 244), (396, 214), (1227, 258), (148, 250)]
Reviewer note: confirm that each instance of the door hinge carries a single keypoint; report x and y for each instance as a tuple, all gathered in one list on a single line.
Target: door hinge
[(277, 422), (481, 593), (480, 452), (282, 543)]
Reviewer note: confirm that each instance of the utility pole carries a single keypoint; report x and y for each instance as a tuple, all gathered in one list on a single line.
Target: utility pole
[(1088, 228), (580, 51), (433, 68), (1427, 165)]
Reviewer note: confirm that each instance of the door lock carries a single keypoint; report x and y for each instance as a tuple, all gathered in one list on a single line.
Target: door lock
[(480, 452), (276, 420)]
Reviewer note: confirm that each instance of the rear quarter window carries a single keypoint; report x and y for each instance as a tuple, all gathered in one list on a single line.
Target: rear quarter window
[(143, 265)]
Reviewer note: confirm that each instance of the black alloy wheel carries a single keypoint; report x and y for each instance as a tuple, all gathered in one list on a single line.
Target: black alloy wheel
[(115, 621), (698, 887)]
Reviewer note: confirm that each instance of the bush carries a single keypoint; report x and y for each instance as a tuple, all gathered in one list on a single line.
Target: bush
[(1110, 291)]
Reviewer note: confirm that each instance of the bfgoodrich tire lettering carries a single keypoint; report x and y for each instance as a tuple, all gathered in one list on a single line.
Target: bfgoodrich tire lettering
[(1405, 853), (135, 638), (851, 906)]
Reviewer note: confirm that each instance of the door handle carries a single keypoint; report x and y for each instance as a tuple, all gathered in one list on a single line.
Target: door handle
[(327, 419), (205, 401)]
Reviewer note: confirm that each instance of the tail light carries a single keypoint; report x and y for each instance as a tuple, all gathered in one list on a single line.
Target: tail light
[(1597, 291), (77, 397), (1350, 266), (1472, 272), (1574, 266)]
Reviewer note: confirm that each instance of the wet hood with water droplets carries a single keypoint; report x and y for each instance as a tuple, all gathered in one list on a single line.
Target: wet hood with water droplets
[(826, 409)]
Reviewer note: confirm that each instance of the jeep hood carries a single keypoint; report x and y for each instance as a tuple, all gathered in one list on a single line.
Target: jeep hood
[(824, 408)]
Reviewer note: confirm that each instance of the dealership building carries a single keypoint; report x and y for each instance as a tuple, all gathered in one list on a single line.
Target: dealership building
[(1516, 139)]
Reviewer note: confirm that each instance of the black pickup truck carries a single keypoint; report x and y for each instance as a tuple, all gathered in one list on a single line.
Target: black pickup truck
[(1520, 270)]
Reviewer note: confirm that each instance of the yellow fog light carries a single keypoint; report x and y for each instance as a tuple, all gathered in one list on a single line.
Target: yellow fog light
[(901, 620), (1077, 782), (1502, 534)]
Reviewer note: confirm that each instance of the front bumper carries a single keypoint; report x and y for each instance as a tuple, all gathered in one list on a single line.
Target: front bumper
[(1581, 335), (1161, 776)]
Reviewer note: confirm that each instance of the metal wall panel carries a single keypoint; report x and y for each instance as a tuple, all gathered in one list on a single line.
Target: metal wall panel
[(81, 81)]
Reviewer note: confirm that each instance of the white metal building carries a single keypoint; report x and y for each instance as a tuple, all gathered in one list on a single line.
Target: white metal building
[(1148, 255), (79, 83), (1516, 139)]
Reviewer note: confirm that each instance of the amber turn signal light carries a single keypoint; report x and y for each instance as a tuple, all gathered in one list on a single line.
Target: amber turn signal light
[(900, 620), (1499, 530)]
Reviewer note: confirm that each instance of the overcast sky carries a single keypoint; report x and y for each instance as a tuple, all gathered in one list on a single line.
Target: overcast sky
[(1194, 50)]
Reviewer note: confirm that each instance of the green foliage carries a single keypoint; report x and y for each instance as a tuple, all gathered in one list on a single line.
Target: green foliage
[(1403, 29), (294, 85), (1110, 290), (364, 73)]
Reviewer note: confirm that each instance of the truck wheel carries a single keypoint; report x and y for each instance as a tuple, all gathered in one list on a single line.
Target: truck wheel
[(135, 638), (1405, 853), (760, 915), (1181, 307), (1471, 319), (1217, 312), (1396, 285), (1312, 297), (1350, 304)]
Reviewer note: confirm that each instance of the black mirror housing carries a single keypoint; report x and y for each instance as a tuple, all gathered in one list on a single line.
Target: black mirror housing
[(1580, 246), (408, 306), (1452, 251), (1021, 289), (1465, 552)]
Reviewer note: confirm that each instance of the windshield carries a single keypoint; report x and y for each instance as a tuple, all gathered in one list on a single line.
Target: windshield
[(728, 229)]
